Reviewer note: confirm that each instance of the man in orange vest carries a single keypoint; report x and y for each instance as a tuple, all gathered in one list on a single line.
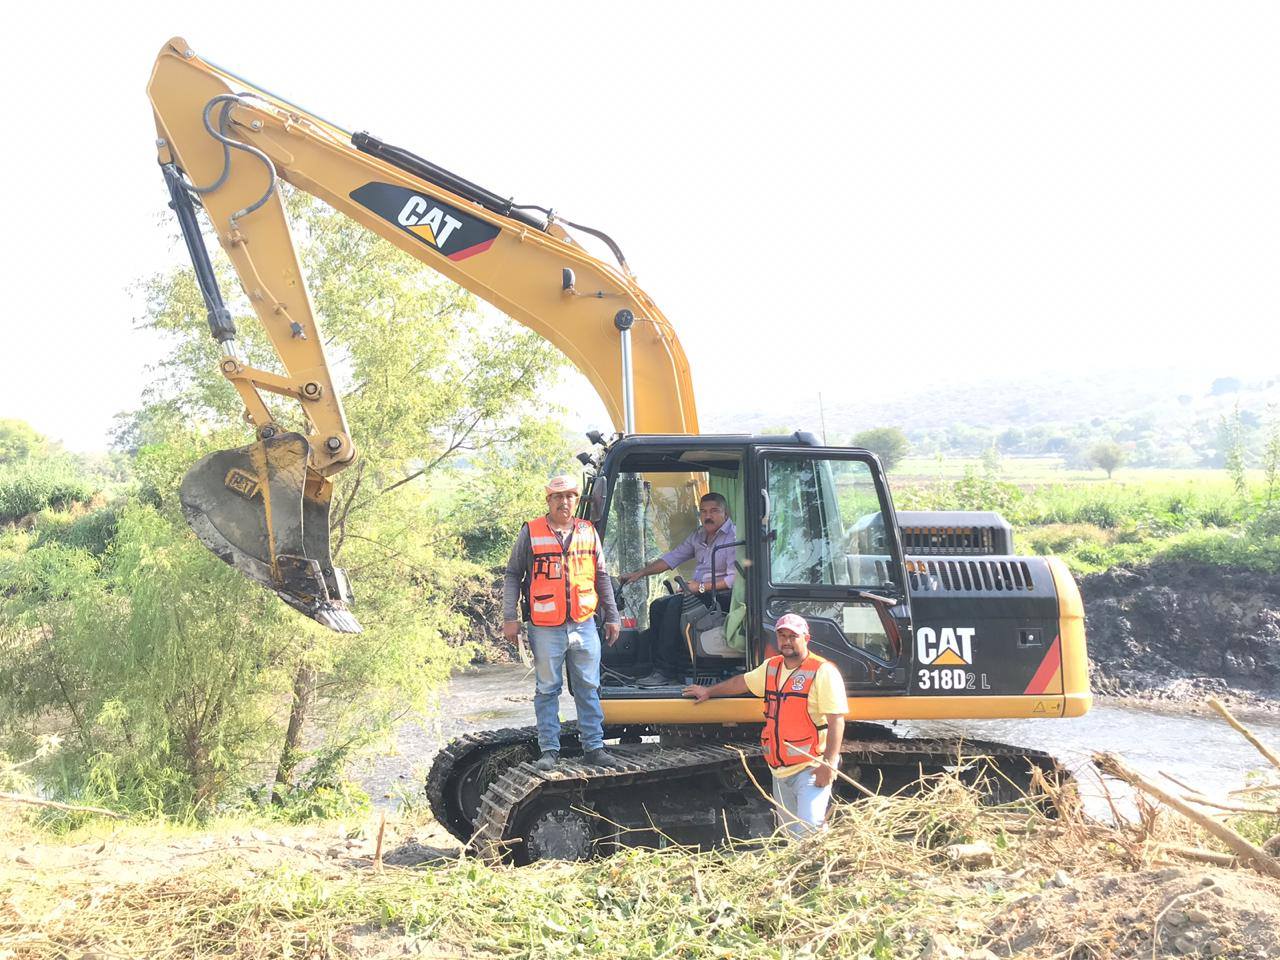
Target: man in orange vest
[(557, 571), (804, 710)]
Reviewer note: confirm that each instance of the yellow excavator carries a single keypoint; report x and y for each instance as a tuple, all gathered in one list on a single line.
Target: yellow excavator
[(928, 615)]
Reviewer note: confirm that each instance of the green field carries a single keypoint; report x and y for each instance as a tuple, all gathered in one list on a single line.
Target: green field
[(1050, 470), (1095, 523)]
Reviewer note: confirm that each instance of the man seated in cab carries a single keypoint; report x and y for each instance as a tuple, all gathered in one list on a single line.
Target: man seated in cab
[(804, 710), (557, 571), (715, 530)]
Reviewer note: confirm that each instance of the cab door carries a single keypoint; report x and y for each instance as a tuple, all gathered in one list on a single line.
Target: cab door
[(826, 546)]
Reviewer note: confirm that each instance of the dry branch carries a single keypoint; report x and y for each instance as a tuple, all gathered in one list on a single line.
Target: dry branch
[(1245, 732), (73, 808), (1249, 854), (382, 829), (1232, 807), (1204, 856)]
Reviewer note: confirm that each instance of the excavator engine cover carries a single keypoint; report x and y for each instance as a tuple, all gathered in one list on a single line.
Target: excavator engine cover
[(264, 511)]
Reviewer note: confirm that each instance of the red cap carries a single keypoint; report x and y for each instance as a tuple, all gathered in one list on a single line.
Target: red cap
[(793, 622)]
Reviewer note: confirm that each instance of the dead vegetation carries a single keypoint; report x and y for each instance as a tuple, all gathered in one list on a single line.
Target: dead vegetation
[(937, 875)]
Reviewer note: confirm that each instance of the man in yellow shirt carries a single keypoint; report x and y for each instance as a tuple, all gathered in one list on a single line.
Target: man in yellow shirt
[(805, 706)]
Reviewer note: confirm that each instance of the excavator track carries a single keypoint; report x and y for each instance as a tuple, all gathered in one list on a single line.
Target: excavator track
[(464, 768), (700, 793)]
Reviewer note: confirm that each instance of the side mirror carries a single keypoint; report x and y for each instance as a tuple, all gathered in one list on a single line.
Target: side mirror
[(596, 499)]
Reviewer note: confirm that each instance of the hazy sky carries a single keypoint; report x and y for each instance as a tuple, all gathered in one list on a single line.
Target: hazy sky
[(849, 198)]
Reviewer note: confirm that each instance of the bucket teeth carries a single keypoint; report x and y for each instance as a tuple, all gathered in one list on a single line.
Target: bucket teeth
[(261, 509)]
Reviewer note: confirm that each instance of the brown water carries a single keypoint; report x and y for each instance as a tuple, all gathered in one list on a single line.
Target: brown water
[(1201, 751)]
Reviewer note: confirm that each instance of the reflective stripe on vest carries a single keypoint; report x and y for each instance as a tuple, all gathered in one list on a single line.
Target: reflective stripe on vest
[(790, 736), (562, 579)]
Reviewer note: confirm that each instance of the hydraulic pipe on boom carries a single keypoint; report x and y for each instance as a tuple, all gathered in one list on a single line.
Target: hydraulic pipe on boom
[(264, 508)]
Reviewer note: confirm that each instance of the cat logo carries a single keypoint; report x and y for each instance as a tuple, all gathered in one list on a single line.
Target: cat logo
[(427, 221), (946, 647), (238, 481), (447, 229)]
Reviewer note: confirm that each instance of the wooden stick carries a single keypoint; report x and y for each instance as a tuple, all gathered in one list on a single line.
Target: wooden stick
[(1249, 854), (36, 802), (1233, 807), (1262, 748), (1204, 856), (1182, 784), (377, 853)]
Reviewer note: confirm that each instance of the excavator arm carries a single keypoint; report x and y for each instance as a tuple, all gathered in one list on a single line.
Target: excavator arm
[(226, 144)]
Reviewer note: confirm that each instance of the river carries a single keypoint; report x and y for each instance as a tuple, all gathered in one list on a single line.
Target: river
[(1199, 750)]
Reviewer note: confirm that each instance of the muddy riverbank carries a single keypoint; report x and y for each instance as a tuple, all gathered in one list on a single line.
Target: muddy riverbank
[(1179, 632)]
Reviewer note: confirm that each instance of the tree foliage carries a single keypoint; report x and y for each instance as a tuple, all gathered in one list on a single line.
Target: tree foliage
[(175, 675), (888, 443), (1107, 456), (19, 442), (1232, 430)]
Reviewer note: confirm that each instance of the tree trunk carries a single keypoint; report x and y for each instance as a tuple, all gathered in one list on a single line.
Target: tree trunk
[(304, 689)]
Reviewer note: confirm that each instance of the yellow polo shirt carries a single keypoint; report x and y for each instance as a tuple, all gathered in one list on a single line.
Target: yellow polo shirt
[(826, 696)]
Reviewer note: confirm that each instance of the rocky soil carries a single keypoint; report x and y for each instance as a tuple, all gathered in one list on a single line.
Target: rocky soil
[(1178, 631), (1169, 912)]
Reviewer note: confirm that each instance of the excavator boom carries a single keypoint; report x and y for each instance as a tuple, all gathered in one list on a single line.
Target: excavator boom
[(264, 508)]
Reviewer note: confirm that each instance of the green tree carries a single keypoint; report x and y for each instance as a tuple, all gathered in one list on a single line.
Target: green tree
[(888, 443), (991, 460), (1271, 459), (1107, 456), (1231, 431), (433, 389), (20, 442)]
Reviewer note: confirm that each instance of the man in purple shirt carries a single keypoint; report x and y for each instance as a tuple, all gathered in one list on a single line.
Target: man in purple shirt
[(715, 530)]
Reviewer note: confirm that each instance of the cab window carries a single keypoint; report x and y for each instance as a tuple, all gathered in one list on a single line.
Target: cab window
[(826, 523)]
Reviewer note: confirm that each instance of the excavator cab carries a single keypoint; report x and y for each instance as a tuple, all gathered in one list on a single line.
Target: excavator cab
[(815, 534)]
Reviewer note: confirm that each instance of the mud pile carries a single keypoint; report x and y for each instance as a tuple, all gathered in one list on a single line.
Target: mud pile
[(1178, 631)]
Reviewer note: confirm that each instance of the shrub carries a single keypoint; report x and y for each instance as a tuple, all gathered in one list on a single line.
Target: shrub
[(31, 487), (91, 531)]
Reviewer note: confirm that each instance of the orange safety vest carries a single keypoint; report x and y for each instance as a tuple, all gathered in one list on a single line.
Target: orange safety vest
[(790, 736), (562, 580)]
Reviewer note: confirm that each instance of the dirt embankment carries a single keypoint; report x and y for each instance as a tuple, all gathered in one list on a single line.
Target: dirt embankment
[(1179, 631)]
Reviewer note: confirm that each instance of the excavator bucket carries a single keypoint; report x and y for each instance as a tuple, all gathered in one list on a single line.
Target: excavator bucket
[(263, 510)]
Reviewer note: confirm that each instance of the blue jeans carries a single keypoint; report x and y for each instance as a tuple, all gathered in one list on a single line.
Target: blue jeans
[(805, 803), (579, 644)]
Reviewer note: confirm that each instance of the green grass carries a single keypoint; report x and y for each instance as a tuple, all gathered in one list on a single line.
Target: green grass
[(29, 488), (1049, 470), (1094, 523)]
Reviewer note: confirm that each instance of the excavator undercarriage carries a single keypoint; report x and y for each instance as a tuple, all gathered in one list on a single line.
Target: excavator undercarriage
[(676, 785)]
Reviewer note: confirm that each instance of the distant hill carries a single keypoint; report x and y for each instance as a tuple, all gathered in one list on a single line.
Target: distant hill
[(1163, 418)]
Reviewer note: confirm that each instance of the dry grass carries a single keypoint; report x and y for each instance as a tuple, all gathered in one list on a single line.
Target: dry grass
[(877, 883)]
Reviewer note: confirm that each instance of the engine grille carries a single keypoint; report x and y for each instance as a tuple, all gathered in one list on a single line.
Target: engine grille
[(971, 576), (937, 541)]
